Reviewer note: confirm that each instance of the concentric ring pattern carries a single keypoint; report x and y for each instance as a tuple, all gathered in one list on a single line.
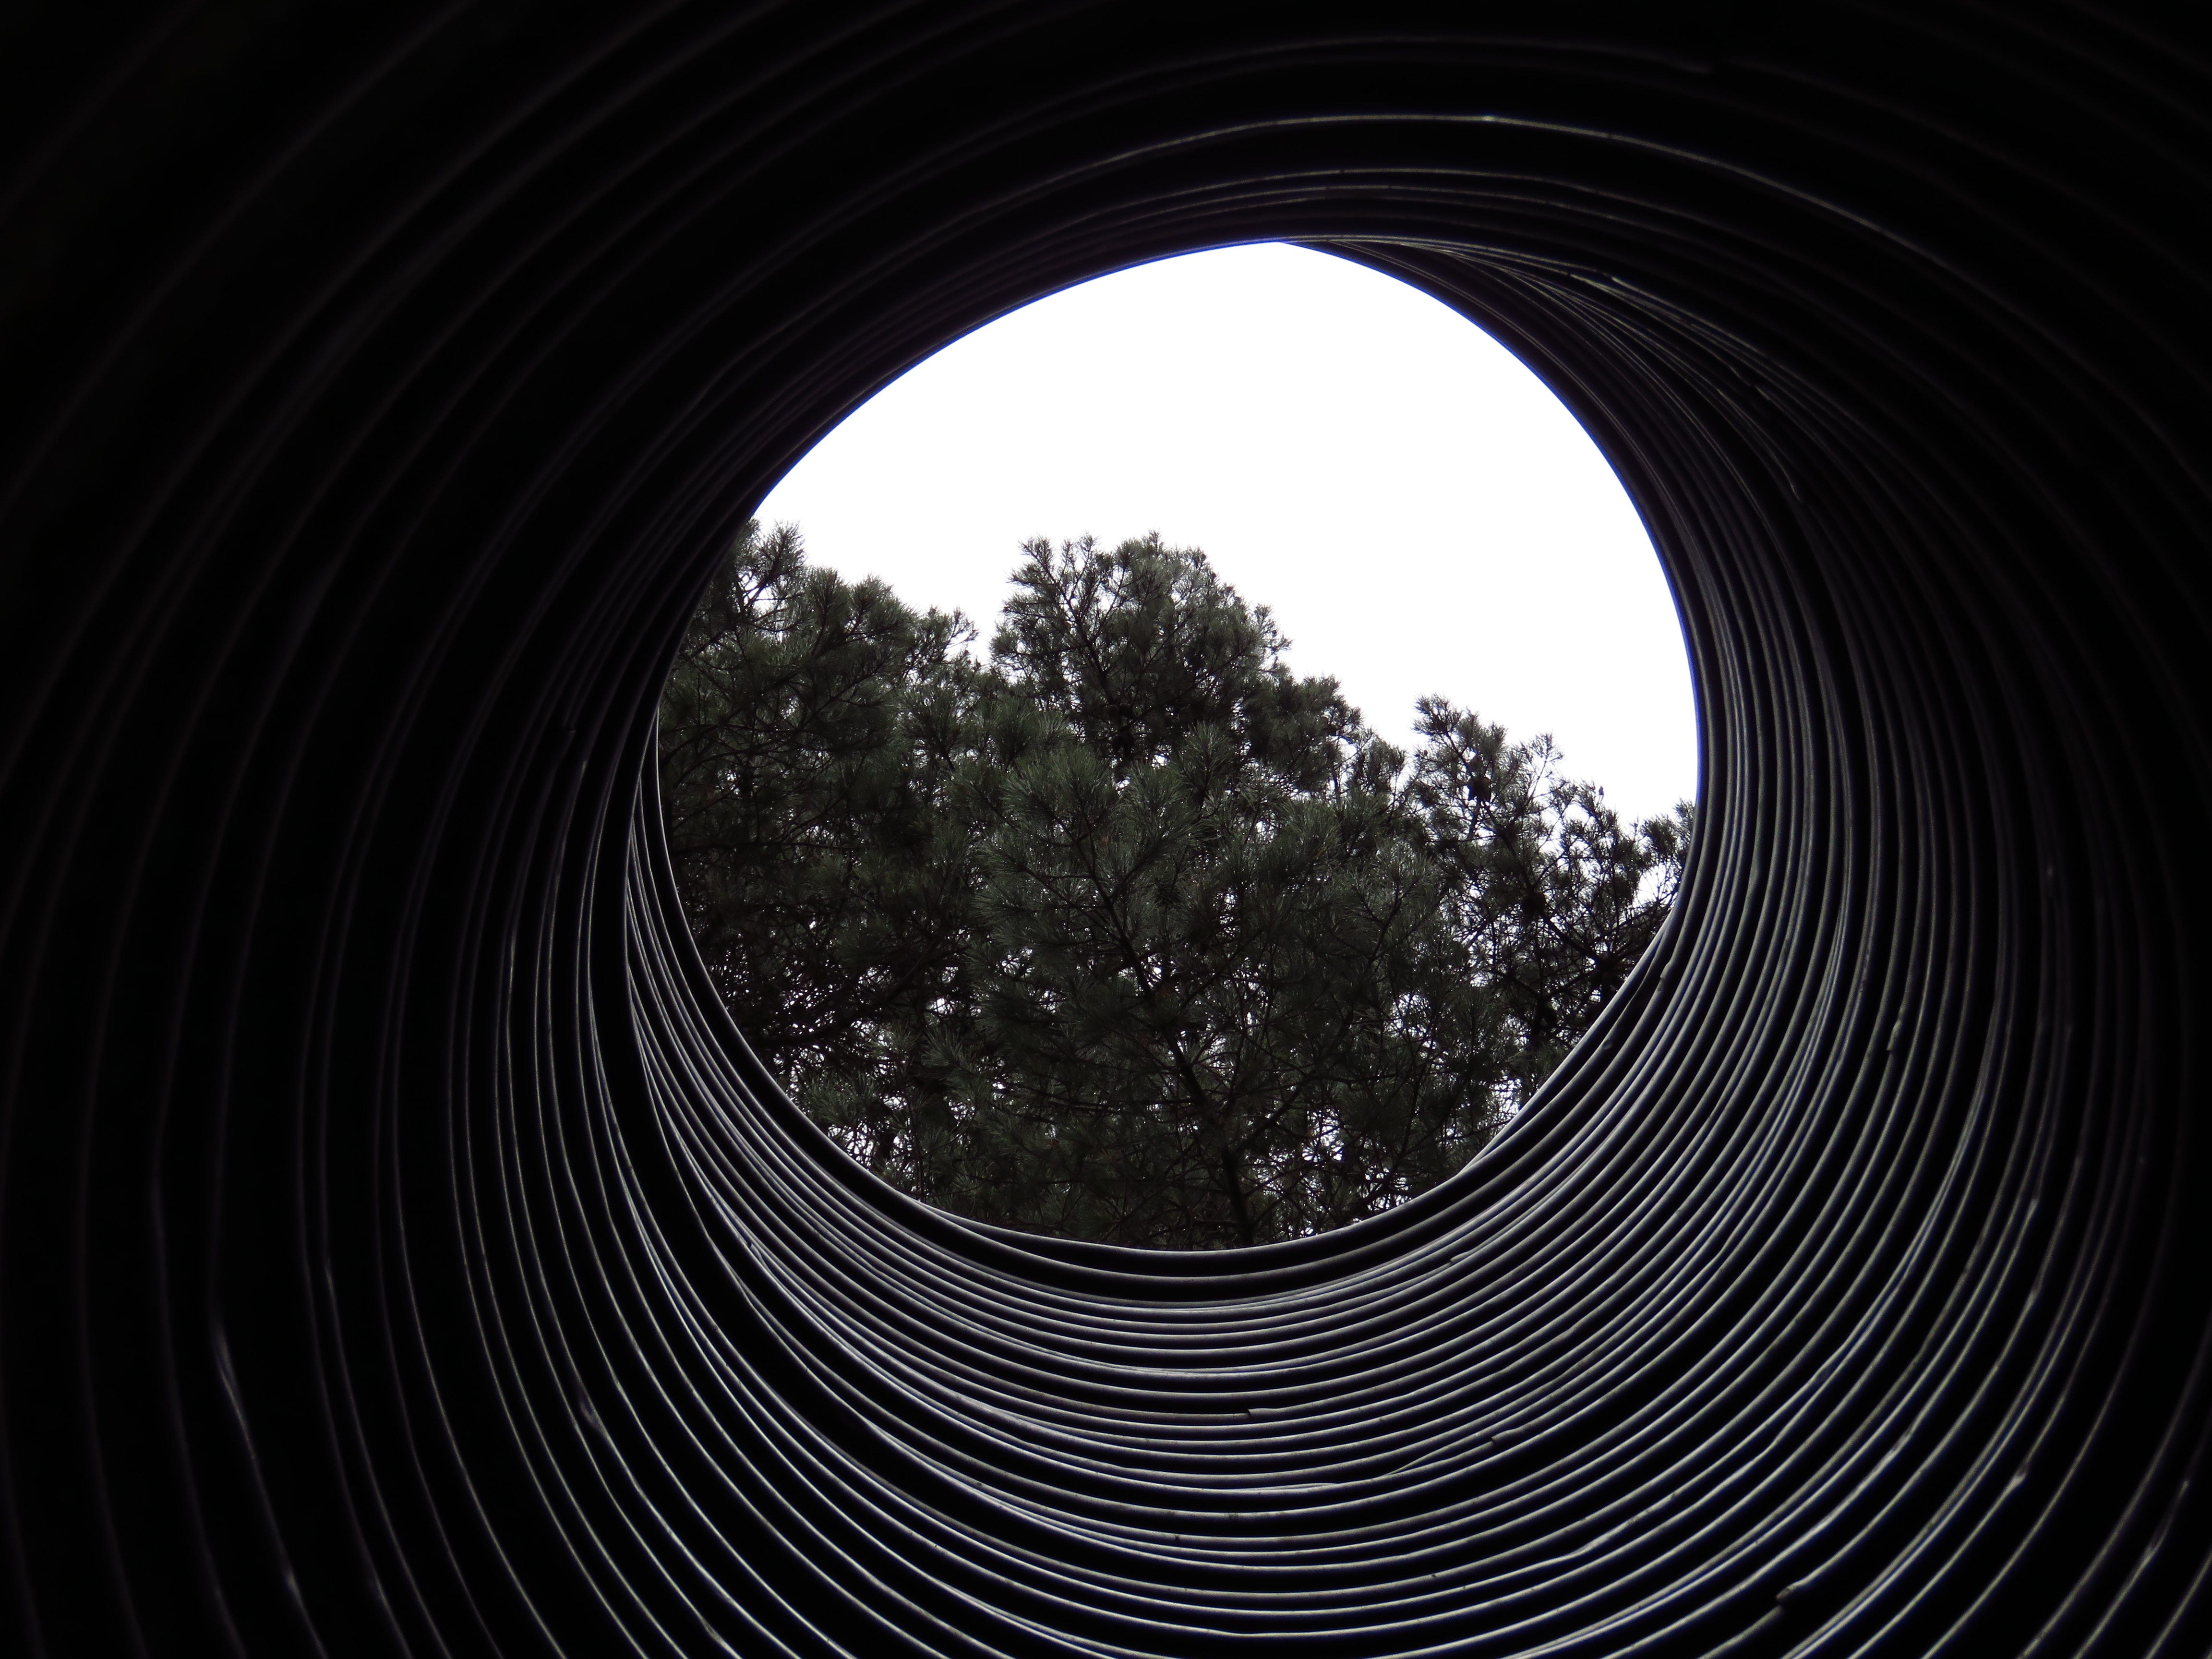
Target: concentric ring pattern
[(399, 1254)]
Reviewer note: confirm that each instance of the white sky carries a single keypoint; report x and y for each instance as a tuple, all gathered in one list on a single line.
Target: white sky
[(1420, 513)]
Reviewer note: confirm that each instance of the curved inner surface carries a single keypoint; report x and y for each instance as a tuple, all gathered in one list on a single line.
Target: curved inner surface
[(401, 1253)]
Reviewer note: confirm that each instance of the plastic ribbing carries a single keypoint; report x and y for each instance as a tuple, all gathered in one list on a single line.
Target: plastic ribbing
[(399, 1253)]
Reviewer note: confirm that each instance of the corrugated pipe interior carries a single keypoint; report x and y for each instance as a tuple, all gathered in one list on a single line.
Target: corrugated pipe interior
[(401, 1253)]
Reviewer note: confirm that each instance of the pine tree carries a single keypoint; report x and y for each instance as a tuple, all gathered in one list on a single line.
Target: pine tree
[(809, 736), (1131, 933)]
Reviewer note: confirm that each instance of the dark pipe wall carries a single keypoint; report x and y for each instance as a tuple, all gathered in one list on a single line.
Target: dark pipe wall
[(399, 1254)]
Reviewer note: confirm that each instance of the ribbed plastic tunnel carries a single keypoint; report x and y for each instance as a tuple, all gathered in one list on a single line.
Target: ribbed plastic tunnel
[(400, 1253)]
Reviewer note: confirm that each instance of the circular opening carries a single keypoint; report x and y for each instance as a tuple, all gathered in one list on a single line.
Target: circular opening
[(1130, 781)]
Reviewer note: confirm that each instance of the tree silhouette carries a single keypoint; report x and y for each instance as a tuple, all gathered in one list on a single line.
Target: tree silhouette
[(1129, 932)]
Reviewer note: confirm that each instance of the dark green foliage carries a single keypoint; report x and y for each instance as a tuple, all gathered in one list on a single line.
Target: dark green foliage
[(1131, 934), (810, 736)]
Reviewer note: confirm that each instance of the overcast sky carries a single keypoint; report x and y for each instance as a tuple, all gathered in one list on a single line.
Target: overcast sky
[(1420, 513)]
